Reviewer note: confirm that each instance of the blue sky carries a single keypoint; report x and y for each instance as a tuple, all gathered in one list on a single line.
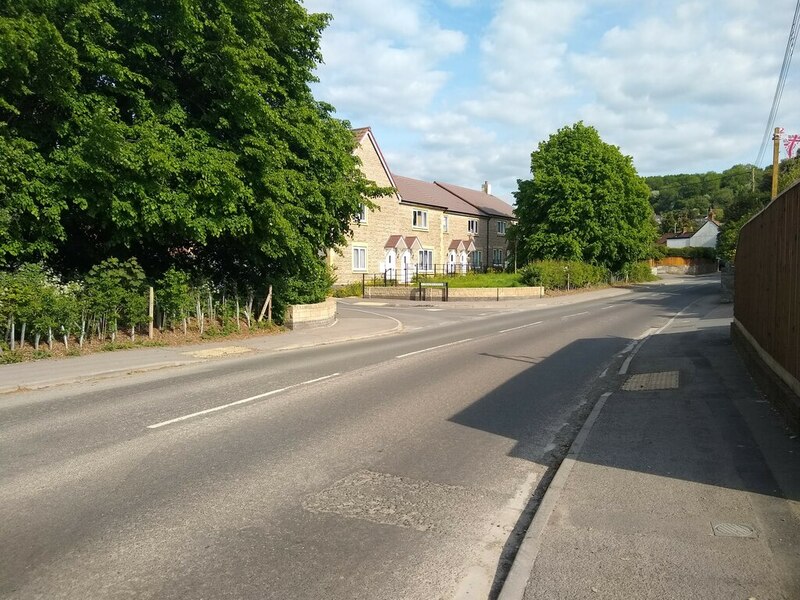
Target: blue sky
[(462, 91)]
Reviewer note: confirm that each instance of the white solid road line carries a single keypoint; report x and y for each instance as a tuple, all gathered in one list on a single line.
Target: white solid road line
[(575, 315), (250, 399), (433, 348), (521, 327), (609, 306)]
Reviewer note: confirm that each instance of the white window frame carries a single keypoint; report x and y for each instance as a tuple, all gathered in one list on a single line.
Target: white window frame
[(359, 251), (419, 219), (444, 223), (361, 218), (425, 263), (477, 258), (501, 227), (497, 256), (473, 227)]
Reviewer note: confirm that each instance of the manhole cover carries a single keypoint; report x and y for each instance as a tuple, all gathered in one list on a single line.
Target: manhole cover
[(665, 380), (733, 530)]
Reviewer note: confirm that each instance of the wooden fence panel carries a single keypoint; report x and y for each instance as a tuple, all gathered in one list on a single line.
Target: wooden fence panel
[(767, 295)]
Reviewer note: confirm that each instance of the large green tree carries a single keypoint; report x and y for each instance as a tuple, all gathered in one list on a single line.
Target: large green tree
[(585, 202), (177, 132)]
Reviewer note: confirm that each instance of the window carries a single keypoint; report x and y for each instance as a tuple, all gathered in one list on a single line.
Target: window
[(477, 258), (444, 223), (497, 256), (362, 216), (425, 261), (419, 219), (359, 259), (472, 226), (501, 227)]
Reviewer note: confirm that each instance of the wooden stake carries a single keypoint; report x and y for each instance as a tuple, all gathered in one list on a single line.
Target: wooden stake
[(267, 304), (151, 313)]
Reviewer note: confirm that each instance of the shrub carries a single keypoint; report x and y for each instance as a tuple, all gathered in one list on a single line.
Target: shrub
[(640, 272), (557, 274), (692, 252)]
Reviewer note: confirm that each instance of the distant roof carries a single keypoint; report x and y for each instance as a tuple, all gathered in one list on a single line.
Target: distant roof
[(486, 203), (430, 194)]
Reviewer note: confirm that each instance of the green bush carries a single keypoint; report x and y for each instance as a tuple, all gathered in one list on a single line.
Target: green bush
[(692, 252), (639, 272), (347, 290), (558, 274)]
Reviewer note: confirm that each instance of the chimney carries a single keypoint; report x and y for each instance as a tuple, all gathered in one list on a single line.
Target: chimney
[(487, 188)]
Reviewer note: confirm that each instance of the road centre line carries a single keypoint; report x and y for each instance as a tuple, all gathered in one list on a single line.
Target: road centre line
[(521, 327), (576, 315), (609, 306), (250, 399), (433, 348)]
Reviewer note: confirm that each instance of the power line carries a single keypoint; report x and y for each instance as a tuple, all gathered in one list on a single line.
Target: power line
[(776, 100)]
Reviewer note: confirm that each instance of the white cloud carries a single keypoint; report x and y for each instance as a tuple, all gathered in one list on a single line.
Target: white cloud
[(679, 85)]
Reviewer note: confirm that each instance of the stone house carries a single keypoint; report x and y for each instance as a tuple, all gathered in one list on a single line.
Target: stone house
[(421, 227)]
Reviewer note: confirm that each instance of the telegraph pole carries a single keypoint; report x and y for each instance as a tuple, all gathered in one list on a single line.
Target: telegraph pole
[(776, 148)]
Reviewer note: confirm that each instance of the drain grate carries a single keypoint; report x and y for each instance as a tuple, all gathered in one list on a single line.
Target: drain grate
[(733, 530), (665, 380)]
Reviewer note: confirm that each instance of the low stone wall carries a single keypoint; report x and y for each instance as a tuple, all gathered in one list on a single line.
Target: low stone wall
[(454, 294), (302, 316)]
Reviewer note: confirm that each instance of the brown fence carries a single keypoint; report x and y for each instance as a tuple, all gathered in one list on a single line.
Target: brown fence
[(767, 296)]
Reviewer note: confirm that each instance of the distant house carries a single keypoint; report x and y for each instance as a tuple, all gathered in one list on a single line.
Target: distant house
[(705, 237), (422, 227)]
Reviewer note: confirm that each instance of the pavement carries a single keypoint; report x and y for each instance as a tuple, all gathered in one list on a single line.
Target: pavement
[(683, 483)]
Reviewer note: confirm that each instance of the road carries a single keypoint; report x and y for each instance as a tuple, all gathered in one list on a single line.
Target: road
[(398, 467)]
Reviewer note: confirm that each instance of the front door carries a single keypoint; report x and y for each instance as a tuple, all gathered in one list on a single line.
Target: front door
[(406, 266)]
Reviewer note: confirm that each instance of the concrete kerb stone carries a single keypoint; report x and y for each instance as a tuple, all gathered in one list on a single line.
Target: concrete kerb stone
[(518, 576), (98, 376)]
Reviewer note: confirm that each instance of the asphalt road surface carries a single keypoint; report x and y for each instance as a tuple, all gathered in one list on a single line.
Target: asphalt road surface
[(398, 467)]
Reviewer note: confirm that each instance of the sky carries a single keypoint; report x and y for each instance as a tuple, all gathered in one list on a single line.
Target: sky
[(462, 91)]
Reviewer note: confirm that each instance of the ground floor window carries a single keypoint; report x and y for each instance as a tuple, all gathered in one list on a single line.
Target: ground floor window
[(477, 258), (359, 259), (497, 256), (425, 260)]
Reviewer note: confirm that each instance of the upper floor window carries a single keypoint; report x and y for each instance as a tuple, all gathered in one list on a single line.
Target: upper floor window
[(501, 227), (472, 226), (362, 216), (419, 219), (444, 223)]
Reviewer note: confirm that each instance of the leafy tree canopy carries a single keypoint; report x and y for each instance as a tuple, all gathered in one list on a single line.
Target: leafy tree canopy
[(179, 133), (585, 202)]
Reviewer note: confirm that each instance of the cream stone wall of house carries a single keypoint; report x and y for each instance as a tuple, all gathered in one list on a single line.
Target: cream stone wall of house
[(371, 235), (365, 250)]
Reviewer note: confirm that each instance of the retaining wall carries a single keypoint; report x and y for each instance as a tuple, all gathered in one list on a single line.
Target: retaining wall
[(302, 316)]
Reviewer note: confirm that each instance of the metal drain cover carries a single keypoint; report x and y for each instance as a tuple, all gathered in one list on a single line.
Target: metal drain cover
[(733, 530), (665, 380)]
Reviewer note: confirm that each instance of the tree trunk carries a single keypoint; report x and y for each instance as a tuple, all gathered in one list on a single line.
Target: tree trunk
[(50, 339), (22, 336), (11, 327), (36, 339), (238, 322)]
